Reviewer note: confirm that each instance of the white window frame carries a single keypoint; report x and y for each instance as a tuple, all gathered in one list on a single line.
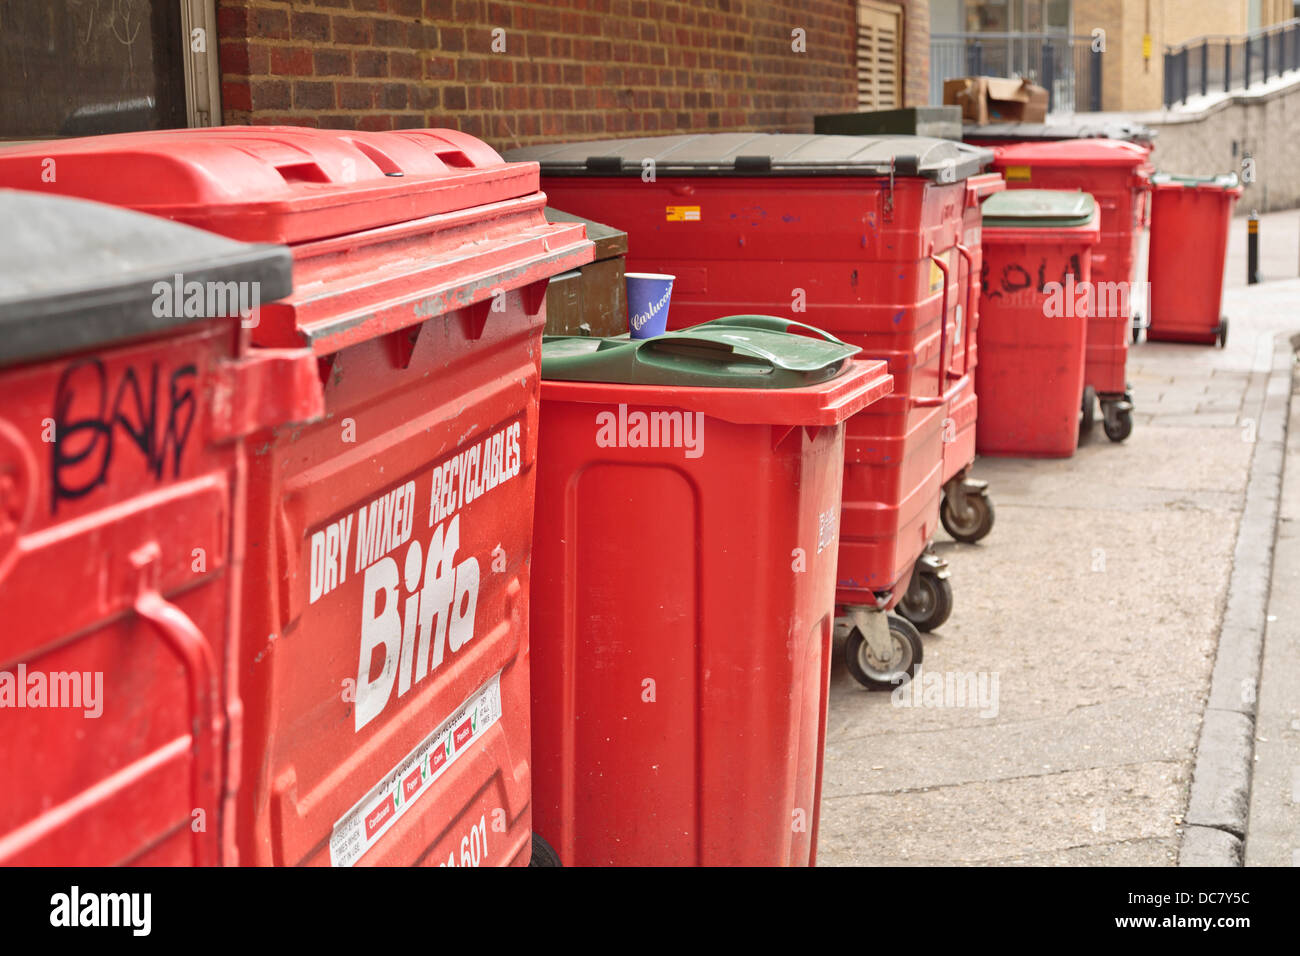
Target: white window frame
[(202, 70)]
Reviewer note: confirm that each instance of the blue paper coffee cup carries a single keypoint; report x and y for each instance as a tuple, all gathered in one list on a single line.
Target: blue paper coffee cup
[(648, 295)]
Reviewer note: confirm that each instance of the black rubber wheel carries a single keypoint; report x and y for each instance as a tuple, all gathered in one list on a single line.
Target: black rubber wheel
[(884, 675), (543, 854), (1223, 331), (928, 601), (1119, 426), (979, 519), (1137, 329), (1087, 411)]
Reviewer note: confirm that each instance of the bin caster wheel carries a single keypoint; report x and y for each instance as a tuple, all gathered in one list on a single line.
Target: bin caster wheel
[(875, 674), (1223, 331), (1087, 411), (1118, 423), (543, 854), (928, 601), (1137, 329), (974, 525)]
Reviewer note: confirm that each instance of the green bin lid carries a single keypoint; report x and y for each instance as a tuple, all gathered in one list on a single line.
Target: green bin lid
[(739, 351), (1221, 181), (1038, 208)]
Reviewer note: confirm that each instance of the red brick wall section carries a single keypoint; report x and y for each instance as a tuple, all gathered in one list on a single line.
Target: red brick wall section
[(916, 53), (571, 69)]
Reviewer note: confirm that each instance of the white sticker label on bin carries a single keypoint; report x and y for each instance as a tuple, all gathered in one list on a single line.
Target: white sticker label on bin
[(373, 815)]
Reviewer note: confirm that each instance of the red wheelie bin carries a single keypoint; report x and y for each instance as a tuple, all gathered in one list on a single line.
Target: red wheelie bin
[(121, 484), (383, 664), (1190, 217), (688, 502), (1035, 305), (1118, 175), (860, 236)]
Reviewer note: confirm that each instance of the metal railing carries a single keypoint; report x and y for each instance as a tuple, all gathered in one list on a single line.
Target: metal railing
[(1221, 64), (1066, 66)]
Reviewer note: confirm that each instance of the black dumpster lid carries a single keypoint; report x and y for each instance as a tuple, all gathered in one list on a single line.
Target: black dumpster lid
[(762, 154), (76, 274), (1083, 129)]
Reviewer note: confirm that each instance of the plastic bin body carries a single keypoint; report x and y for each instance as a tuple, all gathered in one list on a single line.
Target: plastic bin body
[(122, 472), (384, 650), (819, 235), (1031, 374), (1117, 174), (963, 410), (1189, 240), (680, 682)]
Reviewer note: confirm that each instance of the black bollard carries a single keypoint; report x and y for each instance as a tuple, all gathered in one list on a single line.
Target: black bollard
[(1252, 248)]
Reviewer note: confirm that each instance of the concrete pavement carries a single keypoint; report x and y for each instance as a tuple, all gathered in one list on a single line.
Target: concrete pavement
[(1273, 826), (1097, 603)]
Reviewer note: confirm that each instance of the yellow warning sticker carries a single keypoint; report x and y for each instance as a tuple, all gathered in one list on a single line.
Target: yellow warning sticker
[(1020, 174), (936, 277), (683, 213)]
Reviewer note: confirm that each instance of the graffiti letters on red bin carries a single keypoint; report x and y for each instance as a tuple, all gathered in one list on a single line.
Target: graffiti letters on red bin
[(95, 410), (1015, 277)]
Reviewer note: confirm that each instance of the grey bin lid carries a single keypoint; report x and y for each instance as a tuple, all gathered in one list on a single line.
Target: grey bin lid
[(76, 275), (1046, 132), (762, 154), (1219, 181)]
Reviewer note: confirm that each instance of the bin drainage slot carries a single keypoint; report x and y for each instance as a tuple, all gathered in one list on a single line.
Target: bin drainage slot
[(534, 295), (325, 366), (401, 345), (475, 318)]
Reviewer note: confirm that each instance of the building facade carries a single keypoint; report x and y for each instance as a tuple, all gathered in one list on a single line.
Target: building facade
[(1010, 36), (513, 72)]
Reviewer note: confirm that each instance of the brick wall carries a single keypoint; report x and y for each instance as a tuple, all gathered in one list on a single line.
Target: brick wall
[(570, 68)]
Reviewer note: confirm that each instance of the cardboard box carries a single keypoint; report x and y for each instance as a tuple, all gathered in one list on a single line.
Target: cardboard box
[(996, 99)]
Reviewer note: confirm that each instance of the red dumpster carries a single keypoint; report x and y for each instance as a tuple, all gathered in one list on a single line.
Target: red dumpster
[(383, 661), (1035, 307), (1190, 217), (860, 236), (679, 685), (121, 482), (1117, 174)]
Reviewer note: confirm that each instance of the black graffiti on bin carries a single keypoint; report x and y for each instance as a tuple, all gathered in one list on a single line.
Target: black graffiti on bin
[(158, 431), (1016, 278)]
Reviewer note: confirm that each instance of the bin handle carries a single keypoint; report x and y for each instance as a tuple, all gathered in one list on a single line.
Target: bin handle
[(941, 396), (966, 254), (934, 401), (772, 323), (186, 640)]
